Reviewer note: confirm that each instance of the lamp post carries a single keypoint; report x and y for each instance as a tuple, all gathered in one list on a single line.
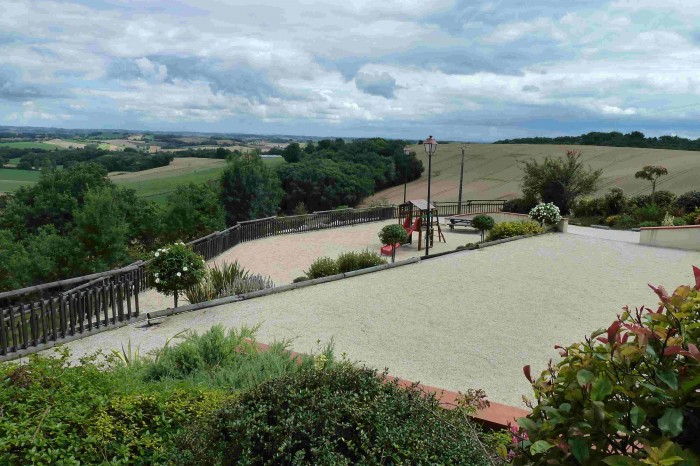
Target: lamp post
[(461, 177), (430, 146), (407, 153)]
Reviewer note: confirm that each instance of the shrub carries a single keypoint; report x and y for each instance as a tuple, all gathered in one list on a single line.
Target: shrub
[(627, 395), (519, 205), (509, 229), (226, 280), (349, 261), (545, 214), (175, 268), (340, 415), (615, 202), (648, 224), (300, 279), (612, 220), (587, 207), (688, 201), (483, 223), (679, 222), (664, 199), (639, 200), (390, 235), (650, 213), (668, 220), (322, 267), (626, 222)]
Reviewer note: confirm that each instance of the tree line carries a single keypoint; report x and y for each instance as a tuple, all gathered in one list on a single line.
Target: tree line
[(614, 139), (129, 160), (75, 221)]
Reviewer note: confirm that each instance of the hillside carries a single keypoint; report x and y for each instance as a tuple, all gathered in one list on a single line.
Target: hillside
[(491, 171)]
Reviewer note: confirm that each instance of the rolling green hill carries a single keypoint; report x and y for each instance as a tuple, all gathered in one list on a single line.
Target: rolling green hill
[(11, 179), (492, 171)]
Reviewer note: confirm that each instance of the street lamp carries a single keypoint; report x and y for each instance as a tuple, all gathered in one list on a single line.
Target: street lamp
[(430, 145), (407, 153), (461, 177)]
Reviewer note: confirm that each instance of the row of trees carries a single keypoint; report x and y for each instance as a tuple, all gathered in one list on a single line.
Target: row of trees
[(76, 221), (614, 139), (129, 161)]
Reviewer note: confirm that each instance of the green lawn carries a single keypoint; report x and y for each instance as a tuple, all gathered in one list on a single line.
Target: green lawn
[(11, 180), (28, 145), (157, 188)]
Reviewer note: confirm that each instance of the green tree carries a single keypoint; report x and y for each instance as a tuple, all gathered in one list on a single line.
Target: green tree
[(249, 189), (176, 267), (560, 181), (483, 223), (292, 153), (14, 262), (193, 211), (53, 256), (101, 231), (391, 235), (651, 173)]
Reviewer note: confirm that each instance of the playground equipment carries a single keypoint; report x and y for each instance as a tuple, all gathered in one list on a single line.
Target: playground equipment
[(415, 213)]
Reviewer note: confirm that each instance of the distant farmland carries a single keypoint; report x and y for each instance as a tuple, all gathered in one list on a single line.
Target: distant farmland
[(29, 145), (11, 180), (157, 183), (492, 171)]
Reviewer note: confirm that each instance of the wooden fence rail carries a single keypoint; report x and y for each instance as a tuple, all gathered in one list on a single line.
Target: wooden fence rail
[(50, 312)]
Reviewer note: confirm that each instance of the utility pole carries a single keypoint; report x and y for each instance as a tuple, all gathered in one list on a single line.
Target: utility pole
[(461, 177)]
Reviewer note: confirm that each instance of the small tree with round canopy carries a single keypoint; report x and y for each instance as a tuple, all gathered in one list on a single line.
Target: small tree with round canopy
[(483, 223), (392, 234), (175, 268)]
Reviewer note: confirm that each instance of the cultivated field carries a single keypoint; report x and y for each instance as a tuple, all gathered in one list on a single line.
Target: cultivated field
[(492, 171), (11, 180), (30, 145), (155, 184), (66, 144)]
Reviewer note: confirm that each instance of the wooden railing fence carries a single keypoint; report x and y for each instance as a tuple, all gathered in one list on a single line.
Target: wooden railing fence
[(53, 311)]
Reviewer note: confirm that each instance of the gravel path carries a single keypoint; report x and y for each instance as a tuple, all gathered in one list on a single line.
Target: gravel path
[(613, 235), (466, 320)]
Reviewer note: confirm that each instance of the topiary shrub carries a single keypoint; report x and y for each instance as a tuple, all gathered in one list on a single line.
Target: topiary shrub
[(391, 235), (545, 214), (337, 416), (483, 223), (627, 395), (688, 201), (175, 268), (322, 267), (510, 229)]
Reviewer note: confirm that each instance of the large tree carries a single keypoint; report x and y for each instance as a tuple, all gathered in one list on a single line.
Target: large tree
[(193, 211), (249, 189), (559, 180)]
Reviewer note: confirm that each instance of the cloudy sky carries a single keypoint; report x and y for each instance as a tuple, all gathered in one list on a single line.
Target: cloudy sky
[(465, 70)]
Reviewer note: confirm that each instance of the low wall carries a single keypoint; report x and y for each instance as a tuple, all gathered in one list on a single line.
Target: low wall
[(500, 217), (685, 237)]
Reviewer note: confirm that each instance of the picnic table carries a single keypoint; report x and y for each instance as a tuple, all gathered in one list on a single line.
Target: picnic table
[(459, 222)]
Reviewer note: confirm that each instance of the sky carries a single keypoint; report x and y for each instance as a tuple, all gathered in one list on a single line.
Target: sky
[(458, 70)]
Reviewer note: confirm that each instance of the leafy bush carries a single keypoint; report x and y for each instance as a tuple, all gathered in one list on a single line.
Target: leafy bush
[(612, 220), (226, 280), (390, 235), (679, 222), (668, 220), (300, 279), (587, 207), (128, 410), (664, 199), (649, 213), (627, 395), (615, 202), (509, 229), (483, 223), (339, 415), (648, 224), (545, 214), (176, 268), (349, 261), (322, 267), (519, 205), (688, 201), (626, 222), (640, 200)]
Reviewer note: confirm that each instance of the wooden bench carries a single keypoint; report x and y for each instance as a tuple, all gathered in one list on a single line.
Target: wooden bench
[(459, 222)]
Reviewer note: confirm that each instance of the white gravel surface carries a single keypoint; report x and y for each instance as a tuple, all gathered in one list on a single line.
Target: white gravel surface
[(465, 320)]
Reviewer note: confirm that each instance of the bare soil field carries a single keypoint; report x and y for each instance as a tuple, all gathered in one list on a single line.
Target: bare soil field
[(492, 171), (66, 144)]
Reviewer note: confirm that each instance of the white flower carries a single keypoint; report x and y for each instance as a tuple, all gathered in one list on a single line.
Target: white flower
[(179, 274), (157, 254), (156, 275), (157, 280), (184, 269)]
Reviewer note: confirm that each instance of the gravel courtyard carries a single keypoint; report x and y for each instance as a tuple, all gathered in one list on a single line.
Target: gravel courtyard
[(465, 320)]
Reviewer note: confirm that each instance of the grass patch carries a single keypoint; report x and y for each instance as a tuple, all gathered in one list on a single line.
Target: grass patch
[(11, 179)]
